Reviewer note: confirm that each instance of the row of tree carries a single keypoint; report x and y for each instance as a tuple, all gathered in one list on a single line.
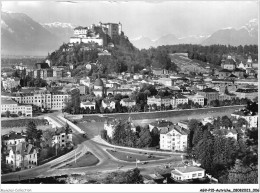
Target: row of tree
[(124, 135), (225, 158)]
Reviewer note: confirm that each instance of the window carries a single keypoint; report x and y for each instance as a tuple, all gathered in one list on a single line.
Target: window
[(193, 175), (199, 174)]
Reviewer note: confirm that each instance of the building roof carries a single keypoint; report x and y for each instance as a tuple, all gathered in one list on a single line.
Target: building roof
[(188, 169), (6, 101), (180, 96), (209, 90), (161, 123), (98, 82), (13, 136), (43, 65)]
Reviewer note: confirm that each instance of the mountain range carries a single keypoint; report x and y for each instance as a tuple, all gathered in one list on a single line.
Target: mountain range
[(21, 35), (247, 34)]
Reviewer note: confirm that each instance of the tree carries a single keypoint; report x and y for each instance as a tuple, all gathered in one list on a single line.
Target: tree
[(226, 122), (155, 134), (7, 113), (33, 134), (241, 174), (145, 138)]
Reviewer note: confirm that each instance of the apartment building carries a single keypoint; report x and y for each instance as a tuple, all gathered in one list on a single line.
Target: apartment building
[(62, 137), (13, 107), (173, 138), (54, 99)]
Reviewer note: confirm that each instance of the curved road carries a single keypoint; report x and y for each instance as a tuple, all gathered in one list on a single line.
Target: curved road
[(106, 161)]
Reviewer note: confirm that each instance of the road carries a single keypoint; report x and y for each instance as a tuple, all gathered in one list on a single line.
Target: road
[(106, 161)]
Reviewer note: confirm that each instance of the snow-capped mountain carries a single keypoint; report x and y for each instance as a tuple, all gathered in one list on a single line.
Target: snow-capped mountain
[(142, 42), (59, 25), (245, 35), (21, 35), (62, 30)]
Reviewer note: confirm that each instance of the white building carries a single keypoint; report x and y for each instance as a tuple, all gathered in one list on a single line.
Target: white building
[(88, 104), (61, 137), (187, 173), (196, 99), (110, 104), (13, 138), (10, 83), (206, 120), (252, 120), (180, 99), (165, 81), (158, 100), (173, 138), (13, 107), (126, 102), (22, 156)]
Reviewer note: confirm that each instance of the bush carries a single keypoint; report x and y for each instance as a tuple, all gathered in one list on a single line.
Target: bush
[(3, 115), (14, 115)]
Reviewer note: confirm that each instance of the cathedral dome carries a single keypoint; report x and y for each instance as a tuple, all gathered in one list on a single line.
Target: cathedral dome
[(99, 82)]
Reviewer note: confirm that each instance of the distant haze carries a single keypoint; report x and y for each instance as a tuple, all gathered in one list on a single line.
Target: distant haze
[(140, 18)]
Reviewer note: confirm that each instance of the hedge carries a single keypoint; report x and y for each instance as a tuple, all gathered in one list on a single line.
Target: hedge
[(23, 122)]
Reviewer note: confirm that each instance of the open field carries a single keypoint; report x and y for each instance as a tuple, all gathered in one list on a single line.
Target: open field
[(131, 157), (86, 160)]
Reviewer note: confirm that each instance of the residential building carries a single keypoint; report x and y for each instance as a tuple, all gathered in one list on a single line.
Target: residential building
[(165, 81), (180, 99), (127, 102), (62, 137), (184, 124), (22, 156), (108, 103), (160, 124), (13, 138), (13, 107), (249, 93), (229, 63), (187, 173), (210, 94), (206, 120), (10, 83), (196, 99), (159, 101), (224, 73), (173, 138), (88, 104), (252, 120)]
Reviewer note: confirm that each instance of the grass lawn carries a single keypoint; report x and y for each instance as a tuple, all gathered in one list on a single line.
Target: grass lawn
[(86, 160), (132, 156)]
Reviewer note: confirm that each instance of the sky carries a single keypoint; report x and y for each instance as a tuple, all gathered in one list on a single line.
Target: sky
[(151, 19)]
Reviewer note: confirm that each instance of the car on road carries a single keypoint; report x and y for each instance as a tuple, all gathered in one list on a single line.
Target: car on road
[(145, 162)]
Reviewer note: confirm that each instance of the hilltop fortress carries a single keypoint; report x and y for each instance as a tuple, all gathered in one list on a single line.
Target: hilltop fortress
[(96, 33)]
